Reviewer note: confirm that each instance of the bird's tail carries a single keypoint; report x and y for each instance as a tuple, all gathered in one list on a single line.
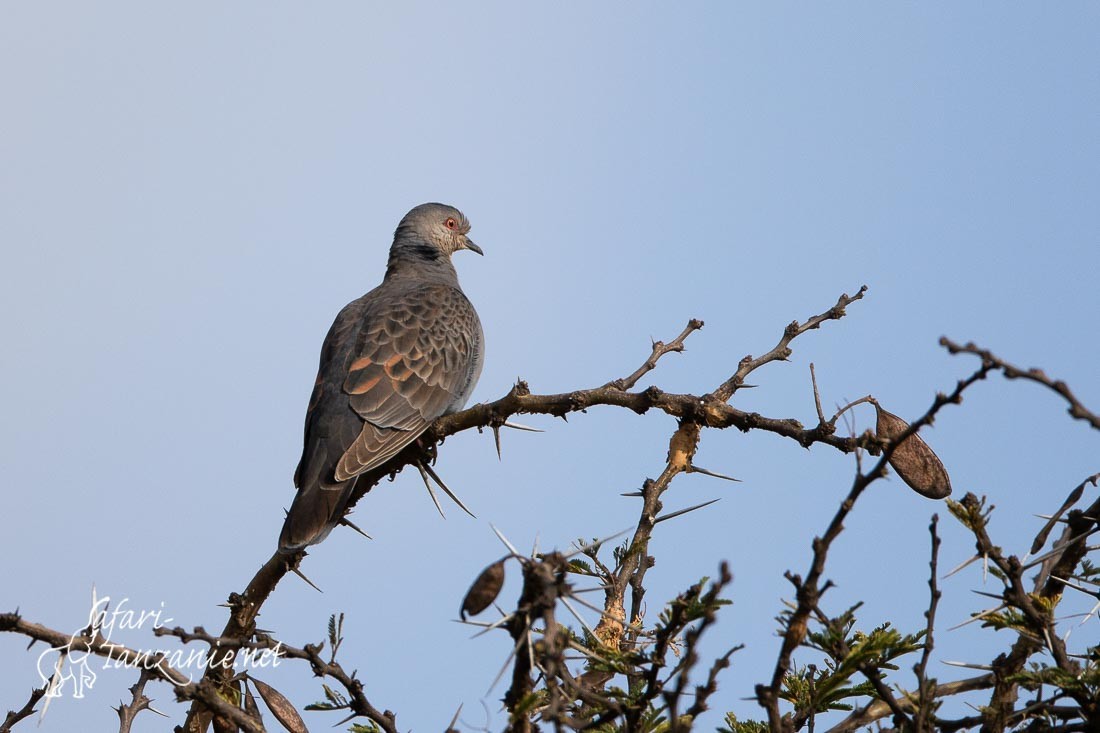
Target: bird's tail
[(315, 511)]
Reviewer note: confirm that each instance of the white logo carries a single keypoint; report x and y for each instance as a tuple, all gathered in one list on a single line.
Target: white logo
[(71, 672)]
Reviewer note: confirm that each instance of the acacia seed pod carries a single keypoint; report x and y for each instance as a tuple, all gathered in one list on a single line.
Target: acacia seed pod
[(280, 707), (917, 464), (484, 590)]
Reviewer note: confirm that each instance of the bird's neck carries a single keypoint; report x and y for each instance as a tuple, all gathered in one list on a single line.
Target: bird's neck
[(413, 257)]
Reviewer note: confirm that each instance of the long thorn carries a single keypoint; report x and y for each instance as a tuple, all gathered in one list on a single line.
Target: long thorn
[(507, 661), (586, 652), (447, 490), (351, 524), (431, 492), (1071, 584), (982, 667), (675, 514), (302, 575), (1092, 612), (705, 472), (575, 591), (502, 538), (567, 604), (454, 720), (597, 609), (353, 716), (1061, 548), (582, 547), (517, 426), (979, 616), (489, 627), (994, 596), (961, 566)]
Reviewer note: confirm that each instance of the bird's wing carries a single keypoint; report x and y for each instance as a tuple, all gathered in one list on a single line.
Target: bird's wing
[(411, 364), (330, 425)]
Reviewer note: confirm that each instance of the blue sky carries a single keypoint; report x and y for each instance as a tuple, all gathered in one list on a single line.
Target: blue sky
[(188, 196)]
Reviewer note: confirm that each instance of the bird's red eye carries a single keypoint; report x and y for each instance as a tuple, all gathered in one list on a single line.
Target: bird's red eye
[(451, 224)]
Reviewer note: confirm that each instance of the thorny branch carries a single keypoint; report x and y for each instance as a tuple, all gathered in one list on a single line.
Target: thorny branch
[(694, 411), (879, 709), (616, 630), (922, 722), (808, 592), (659, 350), (1035, 627), (1038, 632), (1076, 409), (311, 653), (138, 701), (203, 691), (620, 644), (14, 716)]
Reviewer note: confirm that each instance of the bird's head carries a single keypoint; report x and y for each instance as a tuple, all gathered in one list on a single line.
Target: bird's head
[(433, 231)]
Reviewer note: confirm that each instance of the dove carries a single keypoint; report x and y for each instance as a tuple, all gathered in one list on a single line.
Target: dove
[(394, 360)]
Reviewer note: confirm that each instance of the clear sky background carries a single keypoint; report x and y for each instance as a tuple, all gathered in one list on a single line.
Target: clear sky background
[(189, 194)]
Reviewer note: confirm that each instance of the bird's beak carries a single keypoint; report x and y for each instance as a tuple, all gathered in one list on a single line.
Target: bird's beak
[(469, 244)]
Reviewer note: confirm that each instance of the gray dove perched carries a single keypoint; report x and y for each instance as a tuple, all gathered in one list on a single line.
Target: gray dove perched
[(394, 360)]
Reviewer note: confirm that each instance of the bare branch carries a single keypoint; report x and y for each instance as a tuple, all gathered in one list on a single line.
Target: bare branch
[(879, 709), (138, 702), (925, 711), (1076, 409), (781, 350), (14, 716), (659, 350), (202, 691)]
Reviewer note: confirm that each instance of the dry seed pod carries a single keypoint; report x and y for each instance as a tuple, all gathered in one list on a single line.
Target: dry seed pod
[(916, 463), (484, 590), (250, 705), (280, 707)]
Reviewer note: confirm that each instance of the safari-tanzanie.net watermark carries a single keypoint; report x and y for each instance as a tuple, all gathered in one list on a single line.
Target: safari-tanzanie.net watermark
[(68, 669)]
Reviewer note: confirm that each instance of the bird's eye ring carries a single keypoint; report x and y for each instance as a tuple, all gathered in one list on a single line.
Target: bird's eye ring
[(451, 224)]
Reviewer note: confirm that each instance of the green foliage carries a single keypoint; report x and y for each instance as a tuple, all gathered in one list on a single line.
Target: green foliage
[(1086, 682), (335, 632), (1008, 618), (334, 700), (531, 702), (811, 690), (1087, 570), (692, 605), (653, 720), (849, 653), (369, 727), (580, 567), (733, 725), (974, 517)]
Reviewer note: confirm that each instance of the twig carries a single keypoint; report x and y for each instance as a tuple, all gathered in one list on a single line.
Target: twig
[(1040, 632), (923, 719), (781, 351), (138, 702), (358, 702), (1076, 409), (817, 395), (808, 591), (202, 691), (659, 350), (879, 709), (14, 716)]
